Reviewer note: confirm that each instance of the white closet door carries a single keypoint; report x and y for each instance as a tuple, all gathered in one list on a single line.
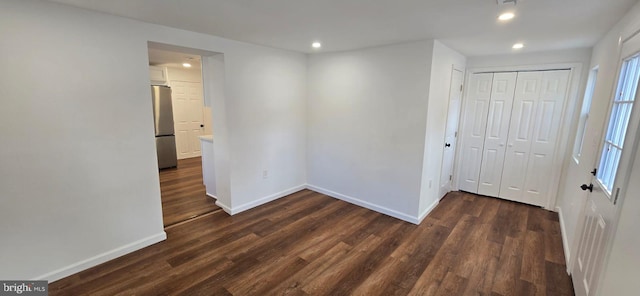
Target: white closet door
[(497, 131), (545, 137), (520, 132), (473, 130), (535, 122)]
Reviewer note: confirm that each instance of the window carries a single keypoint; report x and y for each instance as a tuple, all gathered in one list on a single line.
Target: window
[(584, 114), (618, 122)]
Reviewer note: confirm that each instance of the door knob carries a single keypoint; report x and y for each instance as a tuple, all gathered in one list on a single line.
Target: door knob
[(586, 187), (447, 145), (202, 125)]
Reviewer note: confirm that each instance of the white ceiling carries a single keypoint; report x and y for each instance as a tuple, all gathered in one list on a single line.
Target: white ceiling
[(470, 26), (158, 57)]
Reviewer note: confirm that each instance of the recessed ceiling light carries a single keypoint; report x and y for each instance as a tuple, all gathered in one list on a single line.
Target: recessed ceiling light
[(186, 65), (316, 44), (518, 46), (506, 16)]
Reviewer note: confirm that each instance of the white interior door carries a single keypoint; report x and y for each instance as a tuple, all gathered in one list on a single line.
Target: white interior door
[(535, 124), (187, 117), (585, 150), (502, 91), (473, 130), (617, 152), (453, 116)]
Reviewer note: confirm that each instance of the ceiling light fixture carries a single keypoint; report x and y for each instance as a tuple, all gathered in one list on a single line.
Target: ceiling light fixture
[(506, 16), (186, 65), (316, 45), (518, 46), (506, 9)]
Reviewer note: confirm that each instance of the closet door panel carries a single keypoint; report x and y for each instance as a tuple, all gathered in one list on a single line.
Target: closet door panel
[(473, 130), (521, 130), (539, 175), (497, 131)]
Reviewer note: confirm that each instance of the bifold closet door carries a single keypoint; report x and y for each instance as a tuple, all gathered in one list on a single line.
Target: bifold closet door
[(473, 130), (533, 134), (497, 132)]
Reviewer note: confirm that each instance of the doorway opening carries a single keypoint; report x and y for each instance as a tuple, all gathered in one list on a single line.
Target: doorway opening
[(185, 145)]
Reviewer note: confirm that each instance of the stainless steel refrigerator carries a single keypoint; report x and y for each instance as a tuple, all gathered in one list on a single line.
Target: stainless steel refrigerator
[(163, 119)]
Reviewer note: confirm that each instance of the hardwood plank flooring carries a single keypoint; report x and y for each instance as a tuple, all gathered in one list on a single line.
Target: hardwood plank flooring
[(311, 244), (183, 193)]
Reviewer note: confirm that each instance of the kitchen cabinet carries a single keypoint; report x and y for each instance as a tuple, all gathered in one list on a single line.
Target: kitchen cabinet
[(158, 75), (208, 165)]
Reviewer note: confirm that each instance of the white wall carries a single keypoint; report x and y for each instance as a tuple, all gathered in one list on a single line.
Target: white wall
[(184, 74), (195, 76), (443, 61), (367, 113), (621, 272), (266, 114), (78, 174), (580, 55)]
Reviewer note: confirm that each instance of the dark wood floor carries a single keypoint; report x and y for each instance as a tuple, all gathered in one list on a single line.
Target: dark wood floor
[(183, 193), (311, 244)]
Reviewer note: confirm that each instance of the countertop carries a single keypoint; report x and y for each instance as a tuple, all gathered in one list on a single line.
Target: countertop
[(208, 138)]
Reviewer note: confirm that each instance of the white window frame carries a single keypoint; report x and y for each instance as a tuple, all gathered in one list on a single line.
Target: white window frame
[(584, 114), (618, 122)]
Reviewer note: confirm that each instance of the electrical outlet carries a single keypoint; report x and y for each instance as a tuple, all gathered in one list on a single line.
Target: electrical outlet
[(265, 174)]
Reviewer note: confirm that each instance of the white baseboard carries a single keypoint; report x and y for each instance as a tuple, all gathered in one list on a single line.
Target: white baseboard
[(211, 195), (565, 241), (428, 210), (224, 207), (365, 204), (250, 205), (102, 258)]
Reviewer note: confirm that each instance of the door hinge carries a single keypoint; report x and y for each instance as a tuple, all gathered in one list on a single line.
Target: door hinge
[(455, 135), (594, 172), (450, 177), (615, 199), (460, 87)]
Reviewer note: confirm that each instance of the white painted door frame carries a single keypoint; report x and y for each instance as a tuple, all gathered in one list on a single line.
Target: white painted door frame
[(213, 83), (560, 161)]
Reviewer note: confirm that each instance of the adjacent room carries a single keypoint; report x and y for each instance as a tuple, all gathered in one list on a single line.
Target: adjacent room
[(184, 139), (220, 147)]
